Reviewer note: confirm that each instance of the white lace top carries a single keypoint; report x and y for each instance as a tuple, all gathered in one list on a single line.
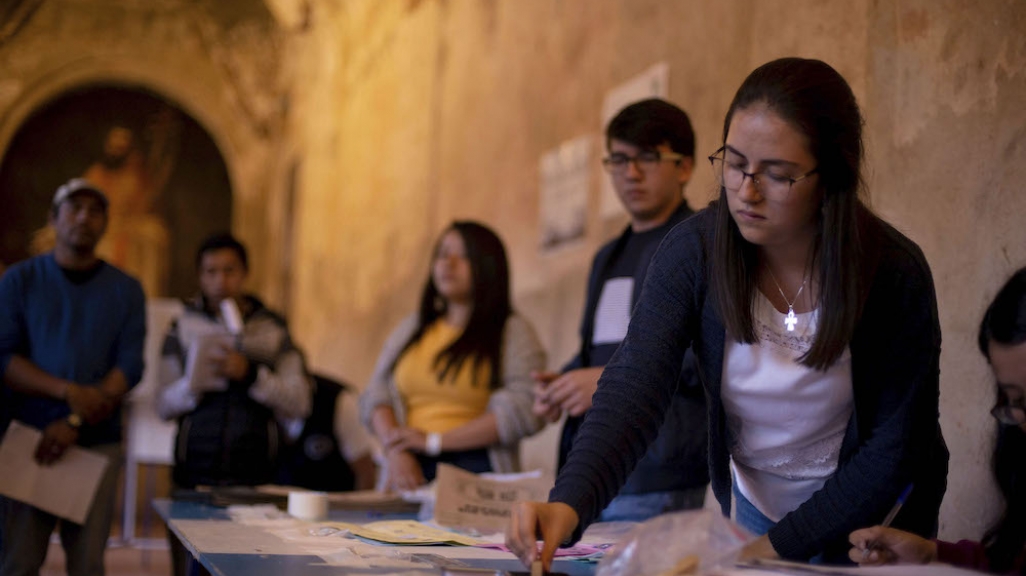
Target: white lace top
[(786, 420)]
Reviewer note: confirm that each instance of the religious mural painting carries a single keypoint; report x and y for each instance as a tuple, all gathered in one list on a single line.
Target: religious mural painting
[(165, 178)]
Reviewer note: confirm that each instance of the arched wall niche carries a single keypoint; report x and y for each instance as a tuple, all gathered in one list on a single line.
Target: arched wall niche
[(254, 170), (201, 105)]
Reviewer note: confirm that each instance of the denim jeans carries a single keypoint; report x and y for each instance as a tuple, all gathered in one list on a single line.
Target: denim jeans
[(748, 516), (641, 507)]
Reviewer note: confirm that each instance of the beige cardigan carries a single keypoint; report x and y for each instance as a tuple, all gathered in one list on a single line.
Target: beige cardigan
[(522, 353)]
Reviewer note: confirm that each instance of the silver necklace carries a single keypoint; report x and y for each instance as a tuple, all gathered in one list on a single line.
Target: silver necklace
[(790, 320)]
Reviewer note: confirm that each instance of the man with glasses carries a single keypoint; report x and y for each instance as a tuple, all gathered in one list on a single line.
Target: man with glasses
[(651, 155)]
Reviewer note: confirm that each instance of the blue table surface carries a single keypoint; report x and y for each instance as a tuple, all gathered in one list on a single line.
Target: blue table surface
[(270, 564)]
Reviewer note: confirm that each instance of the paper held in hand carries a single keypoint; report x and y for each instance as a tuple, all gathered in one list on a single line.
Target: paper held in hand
[(201, 362), (65, 488)]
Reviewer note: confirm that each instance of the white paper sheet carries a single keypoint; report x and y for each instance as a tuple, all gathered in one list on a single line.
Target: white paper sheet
[(229, 537), (65, 488), (565, 179), (199, 365)]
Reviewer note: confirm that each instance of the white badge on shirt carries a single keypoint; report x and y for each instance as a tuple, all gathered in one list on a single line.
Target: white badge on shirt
[(613, 313)]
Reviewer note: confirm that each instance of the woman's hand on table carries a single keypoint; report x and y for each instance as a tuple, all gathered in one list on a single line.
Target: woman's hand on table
[(553, 522)]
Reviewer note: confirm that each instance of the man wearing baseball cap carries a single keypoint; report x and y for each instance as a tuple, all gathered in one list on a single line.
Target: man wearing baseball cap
[(79, 186), (71, 346)]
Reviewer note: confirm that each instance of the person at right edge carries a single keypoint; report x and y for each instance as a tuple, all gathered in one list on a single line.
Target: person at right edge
[(814, 324), (651, 157), (1002, 341)]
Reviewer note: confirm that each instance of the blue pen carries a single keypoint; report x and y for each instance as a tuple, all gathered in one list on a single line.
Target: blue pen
[(890, 516), (897, 506)]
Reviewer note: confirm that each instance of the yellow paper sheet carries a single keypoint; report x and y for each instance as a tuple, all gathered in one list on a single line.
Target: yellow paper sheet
[(409, 533)]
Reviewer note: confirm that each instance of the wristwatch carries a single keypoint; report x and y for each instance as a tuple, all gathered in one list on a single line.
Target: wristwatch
[(74, 420)]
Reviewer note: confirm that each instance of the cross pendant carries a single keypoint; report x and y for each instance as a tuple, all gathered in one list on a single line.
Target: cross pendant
[(790, 320)]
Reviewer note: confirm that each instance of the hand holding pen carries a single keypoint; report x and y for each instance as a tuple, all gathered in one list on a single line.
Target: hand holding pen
[(885, 545)]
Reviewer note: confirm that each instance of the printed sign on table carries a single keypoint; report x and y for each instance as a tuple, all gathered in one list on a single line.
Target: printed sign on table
[(467, 501)]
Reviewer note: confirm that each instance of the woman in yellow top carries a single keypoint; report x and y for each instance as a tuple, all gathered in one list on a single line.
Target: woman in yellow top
[(453, 382)]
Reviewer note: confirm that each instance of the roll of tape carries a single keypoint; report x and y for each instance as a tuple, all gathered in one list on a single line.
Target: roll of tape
[(308, 505)]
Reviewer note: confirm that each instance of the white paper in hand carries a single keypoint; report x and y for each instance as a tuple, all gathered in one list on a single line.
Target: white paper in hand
[(202, 361), (65, 488), (232, 316)]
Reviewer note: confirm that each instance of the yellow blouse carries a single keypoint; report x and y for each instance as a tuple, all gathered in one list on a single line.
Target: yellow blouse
[(434, 406)]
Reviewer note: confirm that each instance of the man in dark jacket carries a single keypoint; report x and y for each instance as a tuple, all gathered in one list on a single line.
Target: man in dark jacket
[(651, 156), (229, 374)]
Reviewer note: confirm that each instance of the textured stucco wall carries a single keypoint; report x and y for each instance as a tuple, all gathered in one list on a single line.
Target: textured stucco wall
[(413, 113), (948, 143)]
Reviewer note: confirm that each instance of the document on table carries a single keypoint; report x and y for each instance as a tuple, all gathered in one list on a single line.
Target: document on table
[(405, 533), (65, 488)]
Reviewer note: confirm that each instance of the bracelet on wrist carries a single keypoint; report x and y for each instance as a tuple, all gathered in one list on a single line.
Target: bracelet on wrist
[(433, 444)]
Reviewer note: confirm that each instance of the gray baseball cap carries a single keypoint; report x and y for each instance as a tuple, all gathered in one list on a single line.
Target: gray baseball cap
[(78, 186)]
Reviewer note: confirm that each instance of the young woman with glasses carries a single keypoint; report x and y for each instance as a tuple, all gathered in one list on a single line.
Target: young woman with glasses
[(1002, 341), (815, 327), (453, 382)]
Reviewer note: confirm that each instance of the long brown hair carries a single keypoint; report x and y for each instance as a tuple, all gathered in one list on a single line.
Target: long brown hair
[(817, 101), (481, 340)]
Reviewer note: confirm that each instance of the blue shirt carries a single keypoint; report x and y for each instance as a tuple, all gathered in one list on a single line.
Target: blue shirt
[(75, 331)]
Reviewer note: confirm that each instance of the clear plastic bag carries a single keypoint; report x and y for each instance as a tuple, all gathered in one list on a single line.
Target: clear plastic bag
[(677, 544)]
